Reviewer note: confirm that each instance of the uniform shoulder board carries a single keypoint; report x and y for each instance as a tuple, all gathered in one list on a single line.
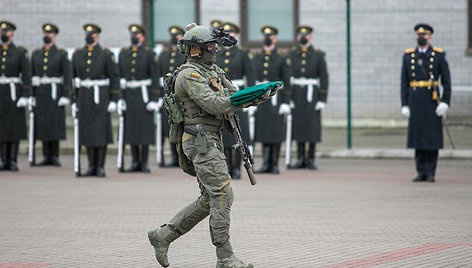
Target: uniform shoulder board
[(22, 49), (319, 51), (410, 50), (37, 50), (123, 49), (106, 50), (62, 51), (437, 49)]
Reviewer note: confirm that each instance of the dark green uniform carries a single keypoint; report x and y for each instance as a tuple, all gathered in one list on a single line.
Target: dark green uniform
[(237, 63), (15, 82), (51, 81)]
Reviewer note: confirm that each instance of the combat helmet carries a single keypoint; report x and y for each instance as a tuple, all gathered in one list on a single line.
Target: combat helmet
[(199, 38)]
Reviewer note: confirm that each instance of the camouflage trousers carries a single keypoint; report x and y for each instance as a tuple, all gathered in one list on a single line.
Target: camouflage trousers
[(216, 194)]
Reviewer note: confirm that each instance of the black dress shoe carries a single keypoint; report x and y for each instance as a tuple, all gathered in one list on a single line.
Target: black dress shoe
[(145, 168), (275, 170), (91, 171), (311, 164), (299, 164), (13, 166), (4, 166), (430, 178), (55, 162), (419, 178), (100, 172), (135, 167), (44, 162), (236, 174)]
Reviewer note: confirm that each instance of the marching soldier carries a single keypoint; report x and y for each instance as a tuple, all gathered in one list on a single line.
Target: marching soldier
[(309, 94), (139, 79), (168, 61), (97, 89), (237, 63), (422, 67), (270, 127), (51, 88), (15, 88)]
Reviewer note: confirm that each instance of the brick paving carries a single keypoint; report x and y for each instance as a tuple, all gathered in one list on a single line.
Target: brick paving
[(350, 213)]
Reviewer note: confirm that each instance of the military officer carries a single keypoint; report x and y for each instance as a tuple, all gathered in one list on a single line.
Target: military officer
[(270, 127), (309, 94), (140, 93), (203, 106), (51, 81), (96, 81), (168, 61), (422, 67), (237, 63), (15, 88), (215, 24)]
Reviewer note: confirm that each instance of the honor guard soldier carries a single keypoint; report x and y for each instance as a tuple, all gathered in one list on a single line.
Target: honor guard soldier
[(270, 127), (96, 80), (168, 61), (422, 67), (309, 94), (51, 81), (215, 24), (140, 91), (15, 88), (237, 63)]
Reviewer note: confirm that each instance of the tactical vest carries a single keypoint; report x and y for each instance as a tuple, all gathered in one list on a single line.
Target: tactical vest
[(193, 114)]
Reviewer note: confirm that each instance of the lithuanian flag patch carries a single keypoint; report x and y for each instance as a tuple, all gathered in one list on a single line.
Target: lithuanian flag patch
[(195, 75)]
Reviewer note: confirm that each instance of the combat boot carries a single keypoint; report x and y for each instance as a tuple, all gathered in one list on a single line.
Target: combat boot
[(160, 239), (232, 262)]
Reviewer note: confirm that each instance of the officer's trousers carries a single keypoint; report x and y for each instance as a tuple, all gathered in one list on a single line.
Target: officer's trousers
[(426, 161), (216, 194)]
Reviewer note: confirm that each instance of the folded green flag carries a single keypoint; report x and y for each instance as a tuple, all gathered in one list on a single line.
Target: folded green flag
[(250, 94)]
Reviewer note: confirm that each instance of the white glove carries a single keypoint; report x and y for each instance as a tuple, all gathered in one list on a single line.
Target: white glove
[(406, 111), (284, 109), (441, 109), (32, 101), (22, 102), (122, 105), (152, 106), (320, 105), (251, 110), (159, 104), (111, 107), (63, 101), (74, 109), (123, 83)]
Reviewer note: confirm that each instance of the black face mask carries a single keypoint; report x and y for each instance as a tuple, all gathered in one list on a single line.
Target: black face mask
[(422, 41), (267, 41), (134, 40), (47, 39), (5, 38), (303, 40), (89, 39), (173, 40)]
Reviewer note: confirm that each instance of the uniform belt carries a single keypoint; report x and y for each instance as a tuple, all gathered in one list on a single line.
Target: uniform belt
[(239, 83), (273, 99), (12, 81), (95, 83), (426, 83), (309, 82), (208, 128), (143, 84), (45, 80)]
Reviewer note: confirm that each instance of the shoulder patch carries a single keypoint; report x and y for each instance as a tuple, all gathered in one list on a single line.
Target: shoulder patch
[(410, 50), (195, 75), (437, 49)]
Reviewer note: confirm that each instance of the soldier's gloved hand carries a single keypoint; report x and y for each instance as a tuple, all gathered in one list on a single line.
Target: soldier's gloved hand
[(111, 107), (32, 101), (406, 111), (320, 105), (442, 109), (22, 102), (123, 83), (122, 105), (74, 109), (152, 106), (284, 109), (63, 101)]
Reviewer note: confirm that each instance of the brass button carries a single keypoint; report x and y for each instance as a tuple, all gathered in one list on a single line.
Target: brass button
[(45, 68), (412, 67), (227, 53), (412, 55), (432, 53), (45, 60), (172, 61), (133, 70), (3, 67), (4, 52), (265, 72), (266, 57), (89, 61), (430, 66), (89, 53), (171, 68), (133, 62), (46, 53), (134, 54), (413, 74), (429, 87), (3, 59), (226, 69), (431, 59), (303, 62), (304, 54), (266, 64), (172, 54), (303, 70), (88, 70), (412, 61), (226, 61)]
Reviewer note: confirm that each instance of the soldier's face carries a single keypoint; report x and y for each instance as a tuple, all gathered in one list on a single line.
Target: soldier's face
[(426, 37), (50, 35), (304, 39), (7, 33)]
